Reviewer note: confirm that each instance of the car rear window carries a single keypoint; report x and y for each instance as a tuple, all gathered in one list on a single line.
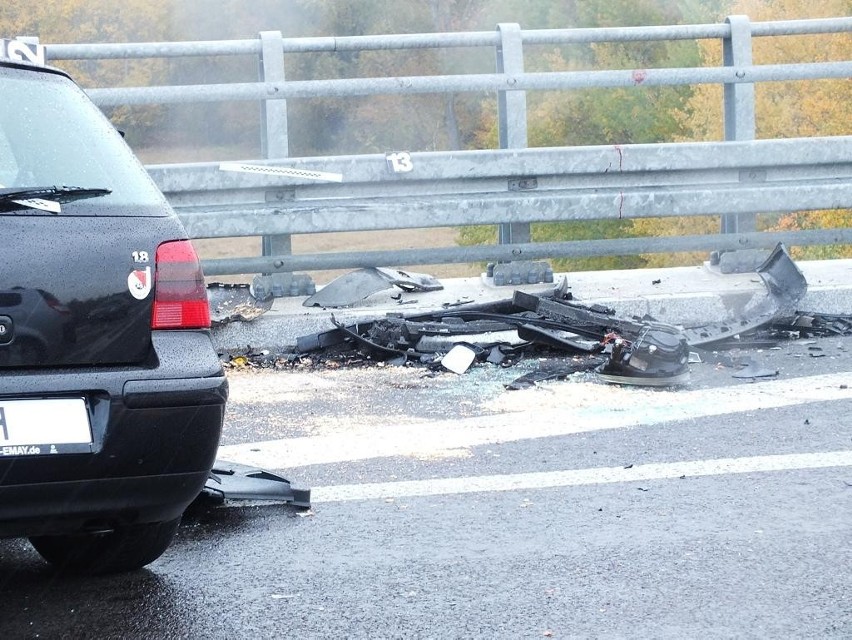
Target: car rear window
[(52, 135)]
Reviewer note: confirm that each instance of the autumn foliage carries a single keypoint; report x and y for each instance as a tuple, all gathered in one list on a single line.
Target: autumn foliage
[(467, 120)]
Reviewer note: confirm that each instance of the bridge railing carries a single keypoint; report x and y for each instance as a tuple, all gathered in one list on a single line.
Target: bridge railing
[(512, 186)]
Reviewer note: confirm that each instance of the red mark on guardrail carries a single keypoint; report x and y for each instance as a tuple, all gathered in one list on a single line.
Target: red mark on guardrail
[(639, 76)]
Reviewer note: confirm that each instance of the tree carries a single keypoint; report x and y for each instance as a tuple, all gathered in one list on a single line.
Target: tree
[(601, 116), (359, 125), (782, 110), (89, 21)]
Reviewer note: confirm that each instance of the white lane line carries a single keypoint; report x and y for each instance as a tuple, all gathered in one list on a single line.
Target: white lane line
[(438, 437), (578, 477)]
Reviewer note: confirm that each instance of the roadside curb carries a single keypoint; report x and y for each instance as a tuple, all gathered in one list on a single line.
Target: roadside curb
[(681, 295)]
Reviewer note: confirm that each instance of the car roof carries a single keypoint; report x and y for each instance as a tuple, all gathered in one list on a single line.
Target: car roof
[(27, 66), (29, 56)]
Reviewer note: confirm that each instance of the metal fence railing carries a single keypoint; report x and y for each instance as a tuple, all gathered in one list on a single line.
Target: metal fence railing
[(513, 186)]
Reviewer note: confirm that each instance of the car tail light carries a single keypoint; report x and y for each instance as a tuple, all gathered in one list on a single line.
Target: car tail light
[(180, 297)]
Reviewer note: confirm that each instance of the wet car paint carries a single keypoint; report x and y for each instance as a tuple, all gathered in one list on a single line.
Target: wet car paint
[(78, 291)]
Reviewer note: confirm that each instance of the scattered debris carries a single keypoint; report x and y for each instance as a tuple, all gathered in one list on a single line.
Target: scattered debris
[(785, 287), (355, 286), (590, 339), (752, 369), (230, 481), (814, 324), (234, 302), (457, 303), (658, 357), (556, 371), (459, 358)]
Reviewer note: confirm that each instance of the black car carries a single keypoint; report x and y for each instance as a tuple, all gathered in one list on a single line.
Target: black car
[(111, 393)]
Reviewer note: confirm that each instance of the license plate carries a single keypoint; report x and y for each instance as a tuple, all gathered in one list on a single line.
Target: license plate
[(44, 427)]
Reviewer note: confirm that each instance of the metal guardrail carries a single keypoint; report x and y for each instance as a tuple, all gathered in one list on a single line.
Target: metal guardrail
[(514, 186)]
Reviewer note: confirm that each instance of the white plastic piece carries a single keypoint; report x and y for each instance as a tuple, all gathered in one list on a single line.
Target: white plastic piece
[(42, 205), (458, 359), (281, 171)]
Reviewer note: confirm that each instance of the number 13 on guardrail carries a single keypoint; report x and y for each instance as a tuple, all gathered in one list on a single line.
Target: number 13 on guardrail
[(399, 162)]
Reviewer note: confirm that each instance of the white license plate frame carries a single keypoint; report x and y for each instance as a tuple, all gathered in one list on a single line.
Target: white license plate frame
[(44, 426)]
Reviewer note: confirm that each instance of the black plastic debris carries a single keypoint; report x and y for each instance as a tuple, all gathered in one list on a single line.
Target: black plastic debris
[(354, 287), (752, 369), (639, 350), (591, 321), (785, 287), (556, 371), (658, 357), (496, 355), (237, 482), (558, 339), (354, 333), (319, 341), (642, 352), (810, 324), (439, 335), (234, 303)]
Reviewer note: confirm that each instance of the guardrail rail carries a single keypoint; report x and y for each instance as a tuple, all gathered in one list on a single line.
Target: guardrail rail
[(513, 186)]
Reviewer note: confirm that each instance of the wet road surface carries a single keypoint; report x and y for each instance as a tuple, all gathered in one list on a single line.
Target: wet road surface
[(448, 507)]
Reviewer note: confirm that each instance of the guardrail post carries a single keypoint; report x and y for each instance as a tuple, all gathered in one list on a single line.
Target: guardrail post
[(512, 114), (274, 142), (739, 125), (739, 105), (273, 122)]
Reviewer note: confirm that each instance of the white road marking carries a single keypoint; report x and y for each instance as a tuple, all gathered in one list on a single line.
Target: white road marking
[(437, 437), (578, 477)]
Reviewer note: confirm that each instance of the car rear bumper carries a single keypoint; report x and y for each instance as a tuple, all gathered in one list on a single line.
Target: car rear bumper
[(155, 436), (95, 505)]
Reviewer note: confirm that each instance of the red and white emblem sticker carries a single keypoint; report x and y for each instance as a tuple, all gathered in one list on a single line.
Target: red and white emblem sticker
[(139, 283)]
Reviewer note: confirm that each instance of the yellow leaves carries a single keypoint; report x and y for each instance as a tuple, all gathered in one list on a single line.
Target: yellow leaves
[(782, 109), (801, 108), (88, 21), (831, 219), (759, 10)]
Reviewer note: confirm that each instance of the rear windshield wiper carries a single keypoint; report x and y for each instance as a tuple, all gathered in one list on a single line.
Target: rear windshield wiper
[(48, 198)]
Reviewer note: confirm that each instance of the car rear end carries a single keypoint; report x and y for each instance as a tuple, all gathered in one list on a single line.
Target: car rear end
[(111, 393)]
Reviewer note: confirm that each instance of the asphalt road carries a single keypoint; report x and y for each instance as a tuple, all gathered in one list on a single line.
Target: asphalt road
[(448, 507)]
